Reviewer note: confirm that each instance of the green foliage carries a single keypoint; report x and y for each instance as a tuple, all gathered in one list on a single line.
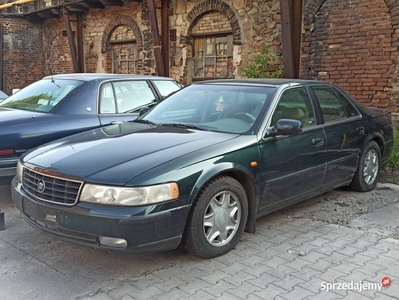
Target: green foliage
[(393, 161), (261, 66)]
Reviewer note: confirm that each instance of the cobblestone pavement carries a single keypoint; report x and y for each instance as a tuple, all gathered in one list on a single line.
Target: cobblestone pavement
[(298, 260), (312, 250)]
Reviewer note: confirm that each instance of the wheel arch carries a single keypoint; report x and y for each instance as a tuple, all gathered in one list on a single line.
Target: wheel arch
[(379, 139), (244, 177)]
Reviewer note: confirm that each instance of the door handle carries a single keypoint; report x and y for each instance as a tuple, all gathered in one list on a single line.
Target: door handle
[(318, 141), (360, 130), (116, 122)]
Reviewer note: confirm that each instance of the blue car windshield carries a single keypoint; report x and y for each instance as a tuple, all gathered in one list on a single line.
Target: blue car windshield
[(41, 96), (214, 107)]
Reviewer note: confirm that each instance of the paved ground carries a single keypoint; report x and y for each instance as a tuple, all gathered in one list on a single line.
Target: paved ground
[(290, 257)]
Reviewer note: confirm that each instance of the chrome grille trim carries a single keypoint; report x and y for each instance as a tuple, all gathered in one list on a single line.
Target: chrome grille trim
[(57, 190)]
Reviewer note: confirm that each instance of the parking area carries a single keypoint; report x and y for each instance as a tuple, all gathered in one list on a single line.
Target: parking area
[(340, 245)]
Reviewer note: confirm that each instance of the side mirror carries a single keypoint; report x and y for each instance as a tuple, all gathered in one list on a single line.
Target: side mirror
[(143, 110), (286, 127)]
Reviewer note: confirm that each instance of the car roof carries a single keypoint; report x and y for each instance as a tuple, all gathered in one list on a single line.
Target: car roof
[(103, 76), (263, 81)]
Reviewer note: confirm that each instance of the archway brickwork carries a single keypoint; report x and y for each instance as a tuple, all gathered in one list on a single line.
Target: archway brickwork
[(114, 23), (354, 45), (109, 29), (193, 16), (211, 5)]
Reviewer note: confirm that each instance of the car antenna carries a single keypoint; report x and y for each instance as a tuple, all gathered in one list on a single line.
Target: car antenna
[(53, 81)]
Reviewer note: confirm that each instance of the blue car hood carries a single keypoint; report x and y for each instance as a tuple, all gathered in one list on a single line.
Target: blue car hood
[(117, 153)]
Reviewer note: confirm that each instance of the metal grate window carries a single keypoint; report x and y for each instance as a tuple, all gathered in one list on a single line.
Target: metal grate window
[(124, 50), (51, 189), (213, 57)]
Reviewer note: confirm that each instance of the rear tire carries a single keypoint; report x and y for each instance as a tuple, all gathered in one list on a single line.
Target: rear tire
[(368, 171), (217, 219)]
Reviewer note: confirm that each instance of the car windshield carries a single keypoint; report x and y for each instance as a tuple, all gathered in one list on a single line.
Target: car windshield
[(41, 96), (3, 95), (213, 107)]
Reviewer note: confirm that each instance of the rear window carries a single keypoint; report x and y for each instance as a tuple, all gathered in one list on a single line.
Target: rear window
[(41, 96)]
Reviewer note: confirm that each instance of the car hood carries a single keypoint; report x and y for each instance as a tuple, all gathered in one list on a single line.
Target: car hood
[(117, 153)]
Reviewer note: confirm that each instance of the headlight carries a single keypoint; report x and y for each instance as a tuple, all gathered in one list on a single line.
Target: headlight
[(20, 168), (148, 195)]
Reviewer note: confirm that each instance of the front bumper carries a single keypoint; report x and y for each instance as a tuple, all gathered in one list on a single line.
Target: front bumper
[(145, 229)]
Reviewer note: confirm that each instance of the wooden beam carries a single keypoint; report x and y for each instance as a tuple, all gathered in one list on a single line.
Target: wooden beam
[(79, 39), (77, 8), (297, 20), (155, 37), (46, 14), (112, 2), (71, 41), (92, 4), (165, 35), (286, 32)]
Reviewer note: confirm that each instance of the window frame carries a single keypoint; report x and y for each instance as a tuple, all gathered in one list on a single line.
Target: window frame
[(194, 36), (114, 95), (336, 92), (309, 105)]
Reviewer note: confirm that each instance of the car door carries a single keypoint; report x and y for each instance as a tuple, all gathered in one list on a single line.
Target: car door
[(345, 132), (292, 167), (121, 101)]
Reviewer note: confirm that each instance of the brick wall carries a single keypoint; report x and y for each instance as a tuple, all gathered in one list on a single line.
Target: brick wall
[(212, 22), (60, 55), (22, 53), (351, 43)]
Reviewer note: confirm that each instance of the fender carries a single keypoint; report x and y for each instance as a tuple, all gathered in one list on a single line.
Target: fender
[(225, 167), (216, 170)]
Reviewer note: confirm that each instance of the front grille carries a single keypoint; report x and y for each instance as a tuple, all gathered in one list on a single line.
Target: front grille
[(50, 189)]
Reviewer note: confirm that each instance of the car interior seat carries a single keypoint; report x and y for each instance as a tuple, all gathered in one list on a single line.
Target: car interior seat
[(294, 113)]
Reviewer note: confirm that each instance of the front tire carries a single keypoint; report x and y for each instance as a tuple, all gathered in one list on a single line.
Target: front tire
[(217, 219), (368, 171)]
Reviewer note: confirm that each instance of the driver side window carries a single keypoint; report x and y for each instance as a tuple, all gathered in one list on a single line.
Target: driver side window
[(294, 104)]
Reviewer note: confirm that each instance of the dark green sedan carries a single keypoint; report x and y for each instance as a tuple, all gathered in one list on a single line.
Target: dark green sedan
[(200, 167)]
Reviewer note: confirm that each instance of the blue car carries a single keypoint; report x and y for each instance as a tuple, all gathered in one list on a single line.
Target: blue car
[(61, 105)]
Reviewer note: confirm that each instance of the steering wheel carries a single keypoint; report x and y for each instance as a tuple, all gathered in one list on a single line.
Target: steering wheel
[(247, 117)]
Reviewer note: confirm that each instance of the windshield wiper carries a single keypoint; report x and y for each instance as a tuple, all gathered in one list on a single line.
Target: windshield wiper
[(144, 121), (180, 125)]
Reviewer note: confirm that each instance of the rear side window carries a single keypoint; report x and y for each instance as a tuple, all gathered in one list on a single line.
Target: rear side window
[(330, 105), (125, 97), (350, 110), (166, 87)]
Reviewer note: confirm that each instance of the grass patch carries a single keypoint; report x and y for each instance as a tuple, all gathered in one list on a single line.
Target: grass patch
[(391, 165)]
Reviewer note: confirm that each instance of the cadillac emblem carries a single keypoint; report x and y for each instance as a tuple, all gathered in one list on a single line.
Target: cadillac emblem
[(41, 186)]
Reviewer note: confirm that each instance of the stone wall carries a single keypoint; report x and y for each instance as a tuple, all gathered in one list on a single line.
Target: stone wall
[(22, 53), (352, 43), (255, 24)]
